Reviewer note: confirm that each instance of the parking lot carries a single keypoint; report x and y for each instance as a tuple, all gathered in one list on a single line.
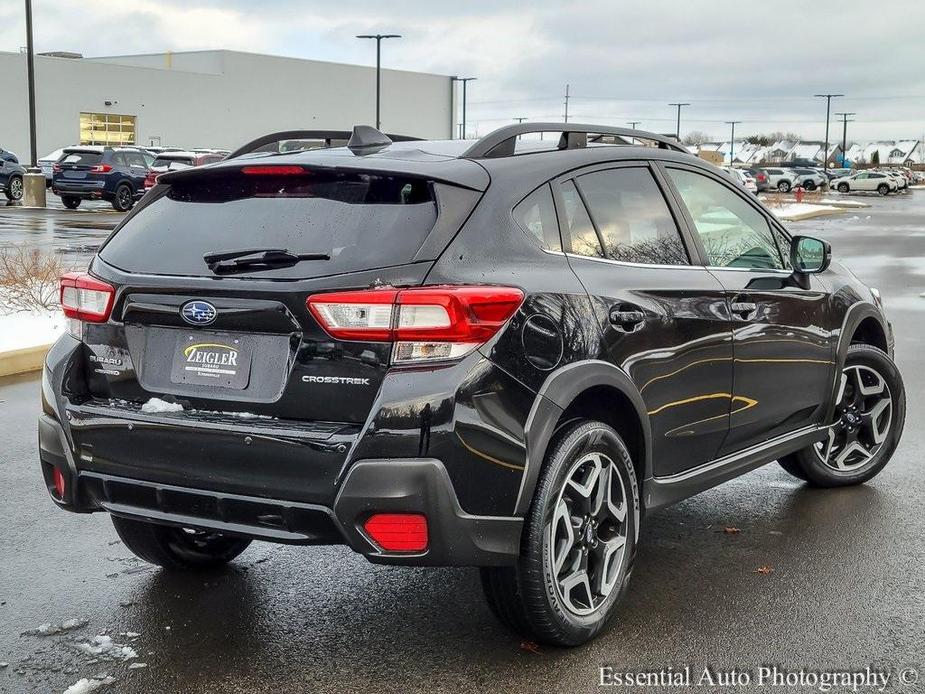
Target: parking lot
[(841, 585)]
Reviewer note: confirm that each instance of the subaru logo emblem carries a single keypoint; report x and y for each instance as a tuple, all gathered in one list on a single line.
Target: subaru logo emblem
[(198, 312)]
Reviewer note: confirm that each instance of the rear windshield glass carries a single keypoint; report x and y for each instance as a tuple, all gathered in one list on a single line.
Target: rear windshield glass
[(165, 161), (81, 158), (361, 221)]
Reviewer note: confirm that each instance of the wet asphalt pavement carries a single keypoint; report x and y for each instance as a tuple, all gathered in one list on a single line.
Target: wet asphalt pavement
[(847, 590)]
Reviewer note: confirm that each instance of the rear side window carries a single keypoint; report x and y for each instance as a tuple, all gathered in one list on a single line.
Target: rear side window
[(577, 226), (632, 217), (81, 158), (362, 221), (536, 215)]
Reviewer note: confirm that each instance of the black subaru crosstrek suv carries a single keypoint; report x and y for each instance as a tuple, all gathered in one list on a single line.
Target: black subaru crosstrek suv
[(502, 353)]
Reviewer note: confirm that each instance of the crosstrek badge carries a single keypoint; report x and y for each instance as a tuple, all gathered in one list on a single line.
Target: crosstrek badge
[(212, 359)]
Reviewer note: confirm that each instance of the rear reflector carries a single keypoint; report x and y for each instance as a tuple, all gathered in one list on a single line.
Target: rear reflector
[(398, 532), (273, 170), (425, 323), (86, 298), (57, 480)]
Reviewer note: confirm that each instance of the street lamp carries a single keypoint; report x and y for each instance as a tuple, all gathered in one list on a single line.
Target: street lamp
[(844, 133), (33, 180), (633, 123), (732, 140), (378, 38), (678, 131), (828, 107), (464, 80)]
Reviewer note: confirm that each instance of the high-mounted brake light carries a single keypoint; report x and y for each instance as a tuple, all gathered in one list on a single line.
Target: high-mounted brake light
[(398, 532), (86, 298), (272, 170), (426, 323)]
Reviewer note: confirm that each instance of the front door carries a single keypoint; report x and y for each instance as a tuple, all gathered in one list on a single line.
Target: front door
[(783, 345), (663, 320)]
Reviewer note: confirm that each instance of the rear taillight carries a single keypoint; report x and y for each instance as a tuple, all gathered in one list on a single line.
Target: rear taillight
[(398, 532), (86, 298), (56, 168), (101, 168), (425, 323)]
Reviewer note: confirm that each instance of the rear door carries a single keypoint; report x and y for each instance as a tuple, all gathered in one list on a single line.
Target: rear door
[(783, 343), (137, 169), (663, 318), (244, 340)]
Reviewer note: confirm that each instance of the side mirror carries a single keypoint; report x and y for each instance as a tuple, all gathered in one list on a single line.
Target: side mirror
[(809, 255)]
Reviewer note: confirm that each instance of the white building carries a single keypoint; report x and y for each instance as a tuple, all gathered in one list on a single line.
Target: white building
[(216, 99)]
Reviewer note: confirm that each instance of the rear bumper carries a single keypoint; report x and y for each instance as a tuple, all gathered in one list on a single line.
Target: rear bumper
[(86, 190), (455, 538)]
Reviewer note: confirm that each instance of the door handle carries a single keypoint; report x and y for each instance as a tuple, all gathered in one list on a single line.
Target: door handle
[(627, 319), (746, 310)]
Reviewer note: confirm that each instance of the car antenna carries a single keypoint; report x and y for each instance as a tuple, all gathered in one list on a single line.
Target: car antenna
[(366, 137)]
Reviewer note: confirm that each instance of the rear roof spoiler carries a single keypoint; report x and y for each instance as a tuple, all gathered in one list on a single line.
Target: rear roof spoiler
[(365, 138), (501, 142)]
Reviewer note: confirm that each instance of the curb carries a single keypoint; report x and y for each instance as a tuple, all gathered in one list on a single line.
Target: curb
[(20, 361), (811, 214)]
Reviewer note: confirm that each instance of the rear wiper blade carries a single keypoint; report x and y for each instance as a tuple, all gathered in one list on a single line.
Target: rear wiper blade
[(230, 261)]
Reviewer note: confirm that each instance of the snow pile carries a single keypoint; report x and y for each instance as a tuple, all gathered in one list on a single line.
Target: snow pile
[(48, 629), (85, 686), (22, 330), (105, 648), (803, 210), (158, 406)]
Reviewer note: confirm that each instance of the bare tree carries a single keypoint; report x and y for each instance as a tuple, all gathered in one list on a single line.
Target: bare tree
[(696, 137), (29, 279)]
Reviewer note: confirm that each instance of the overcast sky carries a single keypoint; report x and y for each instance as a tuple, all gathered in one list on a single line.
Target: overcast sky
[(758, 62)]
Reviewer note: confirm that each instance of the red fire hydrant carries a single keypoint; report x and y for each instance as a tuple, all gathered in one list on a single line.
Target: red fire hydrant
[(798, 193)]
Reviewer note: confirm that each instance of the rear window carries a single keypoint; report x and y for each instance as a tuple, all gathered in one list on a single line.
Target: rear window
[(362, 221), (165, 161), (81, 158)]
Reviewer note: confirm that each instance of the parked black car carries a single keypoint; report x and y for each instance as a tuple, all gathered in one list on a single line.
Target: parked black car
[(11, 173), (93, 172), (458, 353)]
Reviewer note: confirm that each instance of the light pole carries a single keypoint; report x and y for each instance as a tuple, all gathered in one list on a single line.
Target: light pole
[(633, 123), (33, 180), (828, 108), (464, 80), (565, 115), (732, 140), (844, 133), (378, 38), (678, 130)]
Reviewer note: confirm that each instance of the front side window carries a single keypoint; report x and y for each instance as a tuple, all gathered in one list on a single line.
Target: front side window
[(577, 224), (632, 217), (733, 233), (536, 215)]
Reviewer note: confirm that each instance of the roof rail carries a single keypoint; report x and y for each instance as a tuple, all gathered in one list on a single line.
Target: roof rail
[(327, 135), (500, 143)]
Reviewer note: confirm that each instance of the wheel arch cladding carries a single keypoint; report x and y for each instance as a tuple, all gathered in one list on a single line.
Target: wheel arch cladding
[(869, 331), (863, 324), (588, 389)]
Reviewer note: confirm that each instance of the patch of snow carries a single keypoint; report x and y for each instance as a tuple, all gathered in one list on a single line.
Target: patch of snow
[(85, 685), (22, 330), (156, 406), (799, 210), (48, 629), (135, 666), (104, 647)]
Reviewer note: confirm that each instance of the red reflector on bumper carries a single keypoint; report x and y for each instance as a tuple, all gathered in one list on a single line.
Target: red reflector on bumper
[(57, 479), (398, 532)]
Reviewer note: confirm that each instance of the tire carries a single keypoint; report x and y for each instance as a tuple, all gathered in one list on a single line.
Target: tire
[(783, 186), (70, 202), (14, 189), (178, 548), (810, 186), (529, 597), (883, 189), (122, 201), (843, 188), (837, 462)]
